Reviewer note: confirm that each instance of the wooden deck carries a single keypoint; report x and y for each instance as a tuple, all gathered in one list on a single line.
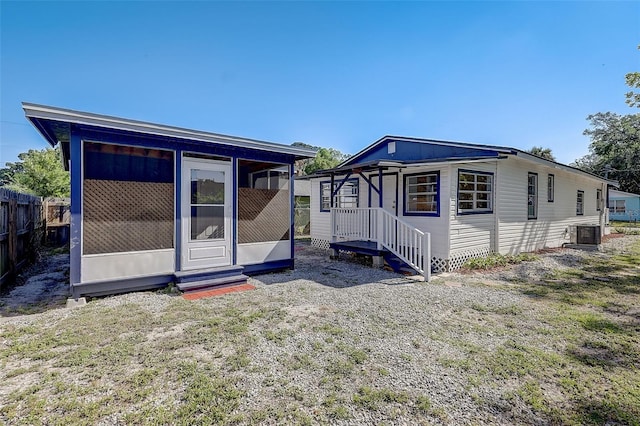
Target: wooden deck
[(369, 248)]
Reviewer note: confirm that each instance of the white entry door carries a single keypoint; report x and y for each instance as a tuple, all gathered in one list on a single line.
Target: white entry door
[(389, 188), (206, 214)]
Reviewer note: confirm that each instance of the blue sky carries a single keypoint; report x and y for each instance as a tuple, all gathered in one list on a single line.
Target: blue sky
[(334, 74)]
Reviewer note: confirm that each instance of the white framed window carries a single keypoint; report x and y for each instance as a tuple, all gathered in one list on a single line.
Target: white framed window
[(475, 192), (598, 199), (421, 194), (347, 196), (532, 196), (580, 203), (618, 206), (551, 187)]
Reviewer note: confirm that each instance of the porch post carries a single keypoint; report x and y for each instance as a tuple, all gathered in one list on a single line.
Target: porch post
[(380, 187), (332, 237), (380, 230)]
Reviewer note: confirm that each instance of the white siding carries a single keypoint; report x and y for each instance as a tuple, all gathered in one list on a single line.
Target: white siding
[(437, 226), (550, 229), (471, 234), (320, 221)]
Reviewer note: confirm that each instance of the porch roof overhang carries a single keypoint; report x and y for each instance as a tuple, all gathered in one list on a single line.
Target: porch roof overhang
[(387, 164), (54, 124)]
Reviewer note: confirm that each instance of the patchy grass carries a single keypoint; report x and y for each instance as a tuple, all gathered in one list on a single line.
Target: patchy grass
[(565, 350), (582, 366), (496, 260)]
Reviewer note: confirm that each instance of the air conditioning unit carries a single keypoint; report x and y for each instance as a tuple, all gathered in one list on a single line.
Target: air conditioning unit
[(585, 234)]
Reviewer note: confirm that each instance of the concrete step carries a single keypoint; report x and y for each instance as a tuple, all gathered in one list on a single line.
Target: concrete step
[(212, 283)]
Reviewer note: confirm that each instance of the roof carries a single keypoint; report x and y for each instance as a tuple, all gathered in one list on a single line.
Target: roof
[(55, 126), (371, 157), (618, 193)]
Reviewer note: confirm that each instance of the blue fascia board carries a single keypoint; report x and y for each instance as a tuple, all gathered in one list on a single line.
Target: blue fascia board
[(377, 150), (160, 142), (101, 134), (407, 151)]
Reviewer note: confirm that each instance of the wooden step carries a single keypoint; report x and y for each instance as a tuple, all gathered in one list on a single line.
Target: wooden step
[(209, 273), (210, 283)]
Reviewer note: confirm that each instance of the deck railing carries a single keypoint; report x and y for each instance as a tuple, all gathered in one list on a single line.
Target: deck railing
[(405, 241), (354, 224)]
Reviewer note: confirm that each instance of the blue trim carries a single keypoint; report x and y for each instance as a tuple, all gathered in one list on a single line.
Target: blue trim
[(404, 192), (421, 150), (397, 195), (385, 174), (234, 210), (292, 211), (104, 288), (324, 182), (272, 266), (75, 237), (537, 192), (493, 186), (369, 248), (371, 185), (178, 206), (341, 183), (380, 200), (163, 142)]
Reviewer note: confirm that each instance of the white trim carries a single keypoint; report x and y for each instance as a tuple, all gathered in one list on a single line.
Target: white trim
[(213, 252), (256, 253), (125, 265)]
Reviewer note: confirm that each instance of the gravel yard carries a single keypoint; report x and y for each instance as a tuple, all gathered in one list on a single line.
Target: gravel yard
[(554, 340)]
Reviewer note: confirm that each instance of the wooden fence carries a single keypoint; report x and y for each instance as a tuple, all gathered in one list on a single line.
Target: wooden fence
[(21, 225), (57, 212)]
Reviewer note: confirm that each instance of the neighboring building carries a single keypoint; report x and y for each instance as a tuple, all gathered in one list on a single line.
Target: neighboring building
[(302, 202), (151, 204), (472, 200), (624, 206)]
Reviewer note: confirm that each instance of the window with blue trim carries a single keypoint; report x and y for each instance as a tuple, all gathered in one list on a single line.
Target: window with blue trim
[(421, 193), (475, 192), (347, 196)]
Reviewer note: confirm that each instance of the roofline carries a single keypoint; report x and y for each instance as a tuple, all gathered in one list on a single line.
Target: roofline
[(501, 149), (44, 112), (375, 164), (534, 158), (625, 193)]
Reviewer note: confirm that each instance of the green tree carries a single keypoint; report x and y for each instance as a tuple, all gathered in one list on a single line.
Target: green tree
[(633, 81), (326, 158), (539, 151), (39, 172), (614, 151)]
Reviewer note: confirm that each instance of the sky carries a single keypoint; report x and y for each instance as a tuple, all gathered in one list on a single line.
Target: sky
[(330, 74)]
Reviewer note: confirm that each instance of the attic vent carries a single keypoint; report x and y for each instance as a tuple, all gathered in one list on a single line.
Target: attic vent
[(391, 147)]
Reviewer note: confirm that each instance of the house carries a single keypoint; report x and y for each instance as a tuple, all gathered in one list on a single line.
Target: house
[(435, 204), (151, 203), (624, 206)]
